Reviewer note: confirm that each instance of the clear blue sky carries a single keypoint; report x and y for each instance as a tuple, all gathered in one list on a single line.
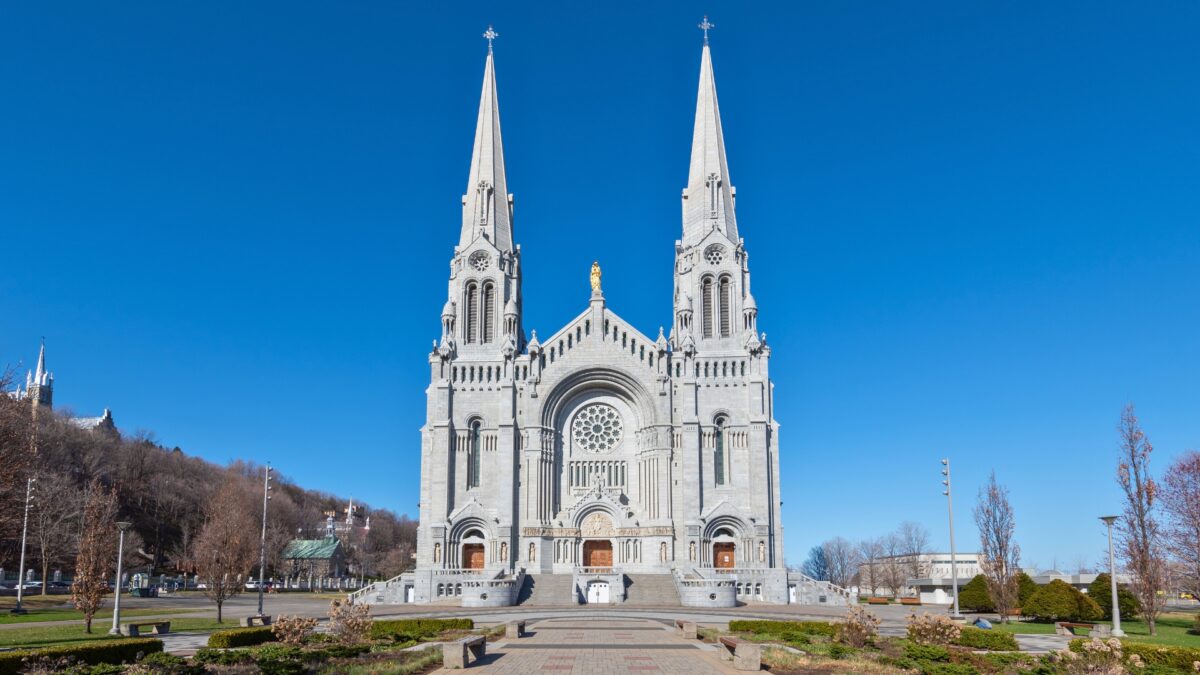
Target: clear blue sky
[(974, 227)]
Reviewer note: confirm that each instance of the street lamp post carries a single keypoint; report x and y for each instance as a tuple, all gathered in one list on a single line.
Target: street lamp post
[(24, 531), (116, 627), (953, 558), (262, 545), (1112, 577)]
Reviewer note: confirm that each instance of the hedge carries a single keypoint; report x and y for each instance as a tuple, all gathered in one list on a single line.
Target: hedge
[(1180, 658), (91, 653), (784, 627), (241, 637), (991, 640), (974, 595), (1060, 601), (417, 628)]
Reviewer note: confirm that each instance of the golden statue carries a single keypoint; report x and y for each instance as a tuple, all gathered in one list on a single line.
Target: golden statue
[(595, 276)]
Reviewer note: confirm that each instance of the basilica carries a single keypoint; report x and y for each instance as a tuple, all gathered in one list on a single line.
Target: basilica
[(599, 463)]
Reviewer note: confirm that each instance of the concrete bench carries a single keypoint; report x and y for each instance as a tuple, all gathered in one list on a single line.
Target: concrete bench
[(256, 620), (514, 629), (1069, 628), (745, 655), (137, 629), (685, 629), (910, 601), (455, 654)]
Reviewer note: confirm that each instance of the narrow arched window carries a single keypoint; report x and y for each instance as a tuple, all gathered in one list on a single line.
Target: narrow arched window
[(489, 312), (472, 303), (706, 302), (473, 448), (726, 292), (719, 452)]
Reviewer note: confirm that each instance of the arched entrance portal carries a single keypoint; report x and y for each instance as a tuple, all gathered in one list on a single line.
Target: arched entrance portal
[(597, 553), (723, 555)]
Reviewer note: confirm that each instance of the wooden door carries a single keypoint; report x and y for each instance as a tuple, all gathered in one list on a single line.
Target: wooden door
[(723, 556), (597, 553), (472, 556)]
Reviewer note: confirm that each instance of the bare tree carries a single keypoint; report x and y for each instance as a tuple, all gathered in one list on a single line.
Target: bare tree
[(915, 540), (869, 573), (842, 560), (97, 552), (1000, 556), (227, 546), (52, 520), (16, 433), (894, 564), (1138, 530), (1181, 500)]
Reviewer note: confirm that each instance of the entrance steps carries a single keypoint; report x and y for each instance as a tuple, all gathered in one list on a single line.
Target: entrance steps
[(651, 590), (547, 590)]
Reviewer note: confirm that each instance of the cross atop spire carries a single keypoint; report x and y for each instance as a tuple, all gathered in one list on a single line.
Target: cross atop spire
[(490, 35), (704, 26)]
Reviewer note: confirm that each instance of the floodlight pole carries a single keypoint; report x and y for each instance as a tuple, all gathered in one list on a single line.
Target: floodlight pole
[(262, 545), (953, 558), (1112, 578), (116, 627), (24, 531)]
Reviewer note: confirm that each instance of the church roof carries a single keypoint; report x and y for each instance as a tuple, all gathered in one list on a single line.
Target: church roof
[(311, 549), (486, 206), (708, 197)]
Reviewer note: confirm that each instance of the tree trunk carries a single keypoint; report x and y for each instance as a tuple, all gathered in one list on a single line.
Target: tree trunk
[(45, 572), (219, 612), (87, 623)]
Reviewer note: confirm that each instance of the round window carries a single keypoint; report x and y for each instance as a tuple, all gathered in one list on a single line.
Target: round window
[(480, 260), (597, 428)]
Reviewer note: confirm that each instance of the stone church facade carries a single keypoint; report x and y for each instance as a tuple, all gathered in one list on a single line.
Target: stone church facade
[(599, 449)]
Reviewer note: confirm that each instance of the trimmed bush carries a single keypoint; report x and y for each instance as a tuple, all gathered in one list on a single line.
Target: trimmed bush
[(932, 629), (402, 630), (91, 653), (784, 627), (992, 640), (1026, 587), (241, 637), (1100, 591), (918, 652), (1059, 601), (948, 669), (974, 596), (1181, 658)]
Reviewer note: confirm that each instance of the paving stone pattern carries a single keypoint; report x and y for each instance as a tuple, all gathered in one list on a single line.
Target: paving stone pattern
[(600, 648)]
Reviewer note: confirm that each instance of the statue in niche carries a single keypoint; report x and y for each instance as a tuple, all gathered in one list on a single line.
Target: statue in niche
[(437, 553), (503, 551), (762, 552), (662, 552), (692, 551), (532, 552)]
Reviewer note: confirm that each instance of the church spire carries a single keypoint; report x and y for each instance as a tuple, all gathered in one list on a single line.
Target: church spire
[(40, 375), (708, 198), (487, 206)]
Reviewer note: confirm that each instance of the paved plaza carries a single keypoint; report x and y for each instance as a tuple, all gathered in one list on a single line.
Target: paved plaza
[(591, 645)]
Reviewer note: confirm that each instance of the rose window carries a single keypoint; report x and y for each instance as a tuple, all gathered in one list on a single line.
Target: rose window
[(714, 253), (479, 260), (597, 428)]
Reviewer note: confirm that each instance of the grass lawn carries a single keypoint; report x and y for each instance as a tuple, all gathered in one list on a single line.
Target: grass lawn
[(1172, 630), (59, 614), (44, 636)]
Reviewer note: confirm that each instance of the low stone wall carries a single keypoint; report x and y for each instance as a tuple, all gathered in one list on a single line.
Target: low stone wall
[(500, 592), (697, 591)]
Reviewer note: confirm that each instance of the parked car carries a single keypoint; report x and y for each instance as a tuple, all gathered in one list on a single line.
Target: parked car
[(59, 584)]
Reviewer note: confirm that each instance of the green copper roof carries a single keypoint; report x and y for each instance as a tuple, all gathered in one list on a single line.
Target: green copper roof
[(310, 549)]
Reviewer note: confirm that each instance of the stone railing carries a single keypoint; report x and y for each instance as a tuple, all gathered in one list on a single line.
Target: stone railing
[(697, 590), (810, 591), (499, 591)]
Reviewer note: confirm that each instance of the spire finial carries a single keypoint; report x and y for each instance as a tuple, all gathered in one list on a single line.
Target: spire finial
[(704, 26), (490, 35)]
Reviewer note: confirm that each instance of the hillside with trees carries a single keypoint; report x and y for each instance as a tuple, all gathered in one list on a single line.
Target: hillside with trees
[(165, 493)]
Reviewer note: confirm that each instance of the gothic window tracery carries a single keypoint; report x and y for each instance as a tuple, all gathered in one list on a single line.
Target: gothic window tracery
[(714, 254), (489, 312), (719, 452), (706, 303), (597, 428), (472, 306), (726, 293)]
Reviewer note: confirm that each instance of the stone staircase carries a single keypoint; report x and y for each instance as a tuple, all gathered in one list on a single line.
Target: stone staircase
[(547, 590), (650, 590)]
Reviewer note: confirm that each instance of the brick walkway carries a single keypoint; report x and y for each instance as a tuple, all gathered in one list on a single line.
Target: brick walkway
[(600, 647)]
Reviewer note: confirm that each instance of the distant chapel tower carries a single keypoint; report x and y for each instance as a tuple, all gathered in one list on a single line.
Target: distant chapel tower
[(39, 384)]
